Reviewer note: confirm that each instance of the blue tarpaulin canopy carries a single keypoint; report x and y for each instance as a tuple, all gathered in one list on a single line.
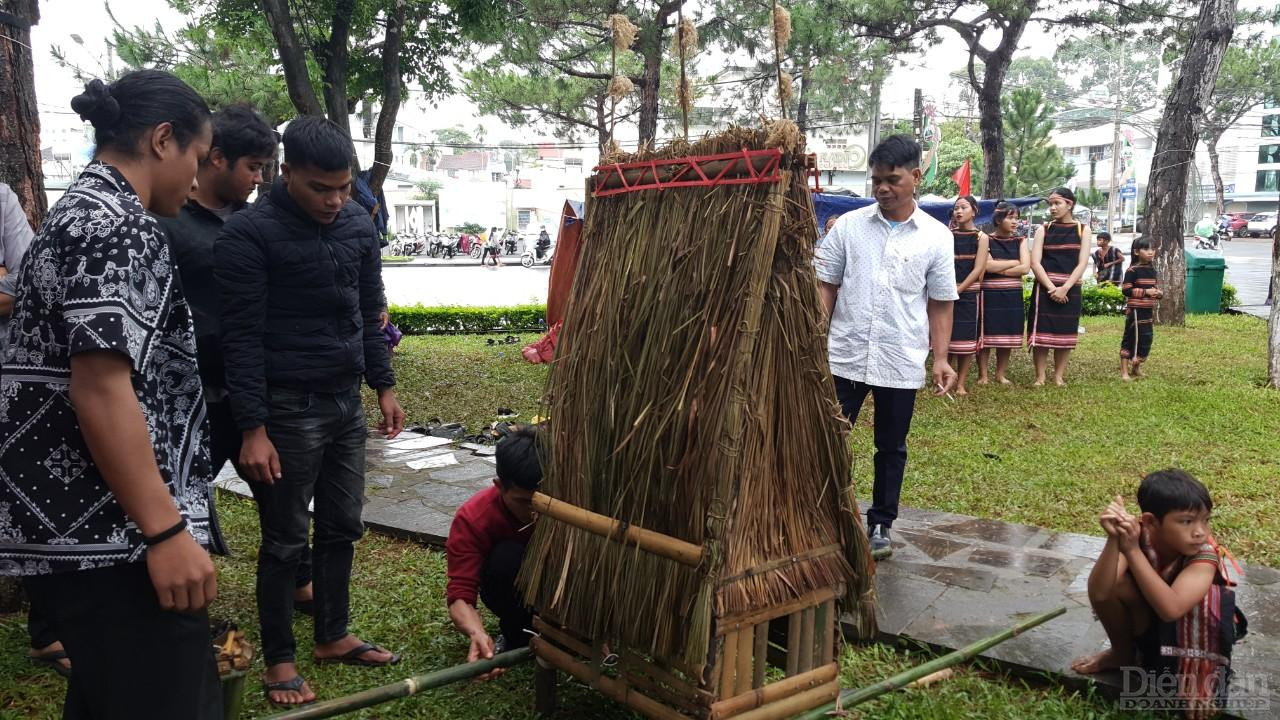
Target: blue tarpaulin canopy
[(827, 205)]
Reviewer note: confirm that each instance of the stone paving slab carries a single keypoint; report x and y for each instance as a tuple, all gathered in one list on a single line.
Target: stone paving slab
[(953, 579)]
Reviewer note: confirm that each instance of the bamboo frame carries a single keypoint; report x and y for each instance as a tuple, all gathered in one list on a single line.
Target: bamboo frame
[(773, 692), (633, 672), (793, 643), (761, 655), (805, 662), (728, 664), (665, 546), (746, 656), (826, 653), (816, 597), (562, 637), (615, 689), (788, 707), (656, 672)]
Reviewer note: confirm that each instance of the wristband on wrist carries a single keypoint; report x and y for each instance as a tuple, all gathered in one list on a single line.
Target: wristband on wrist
[(165, 534)]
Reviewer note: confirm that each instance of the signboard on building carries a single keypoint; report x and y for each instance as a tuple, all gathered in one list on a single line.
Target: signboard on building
[(1129, 189), (847, 158)]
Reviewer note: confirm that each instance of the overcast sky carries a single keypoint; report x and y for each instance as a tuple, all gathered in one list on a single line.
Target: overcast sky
[(88, 20)]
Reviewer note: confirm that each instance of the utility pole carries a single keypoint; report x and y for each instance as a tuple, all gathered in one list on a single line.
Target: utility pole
[(873, 129)]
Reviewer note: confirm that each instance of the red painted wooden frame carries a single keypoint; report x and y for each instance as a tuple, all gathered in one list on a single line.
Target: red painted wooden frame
[(689, 172)]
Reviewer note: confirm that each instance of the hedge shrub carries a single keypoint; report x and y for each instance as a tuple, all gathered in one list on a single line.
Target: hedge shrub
[(1229, 297), (1094, 299), (451, 319)]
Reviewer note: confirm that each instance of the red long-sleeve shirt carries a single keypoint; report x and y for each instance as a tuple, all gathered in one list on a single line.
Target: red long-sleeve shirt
[(481, 522)]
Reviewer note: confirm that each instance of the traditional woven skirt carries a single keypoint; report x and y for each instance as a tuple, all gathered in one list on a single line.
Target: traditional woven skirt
[(1053, 324), (1136, 341), (1002, 314), (966, 323)]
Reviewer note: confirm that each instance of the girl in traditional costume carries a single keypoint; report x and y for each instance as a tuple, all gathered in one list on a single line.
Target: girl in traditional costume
[(1058, 260), (1001, 305), (970, 261)]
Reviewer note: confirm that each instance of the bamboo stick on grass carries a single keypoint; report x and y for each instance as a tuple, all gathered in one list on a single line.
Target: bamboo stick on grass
[(853, 696)]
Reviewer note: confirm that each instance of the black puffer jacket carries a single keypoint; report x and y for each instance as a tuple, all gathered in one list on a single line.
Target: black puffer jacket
[(300, 303)]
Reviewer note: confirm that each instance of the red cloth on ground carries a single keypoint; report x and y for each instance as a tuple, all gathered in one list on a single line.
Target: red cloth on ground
[(544, 350), (481, 522)]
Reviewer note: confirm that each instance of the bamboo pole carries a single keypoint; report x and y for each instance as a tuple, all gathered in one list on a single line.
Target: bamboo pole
[(665, 546), (788, 707), (805, 663), (406, 687), (728, 664), (793, 642), (746, 647), (615, 689), (773, 692), (853, 696), (761, 655), (828, 632), (881, 554)]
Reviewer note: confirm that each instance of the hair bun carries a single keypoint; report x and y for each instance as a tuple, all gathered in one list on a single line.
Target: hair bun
[(97, 105)]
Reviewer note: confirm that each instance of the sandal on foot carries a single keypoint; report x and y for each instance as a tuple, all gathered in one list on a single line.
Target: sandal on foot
[(294, 685), (353, 657), (53, 661)]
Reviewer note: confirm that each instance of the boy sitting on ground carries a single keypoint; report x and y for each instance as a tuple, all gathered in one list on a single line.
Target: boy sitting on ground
[(1159, 576)]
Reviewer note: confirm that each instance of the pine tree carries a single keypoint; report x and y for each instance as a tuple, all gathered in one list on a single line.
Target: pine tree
[(1033, 165)]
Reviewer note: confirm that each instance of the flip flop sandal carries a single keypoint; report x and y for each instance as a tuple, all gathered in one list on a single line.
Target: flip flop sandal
[(51, 661), (294, 685), (352, 657)]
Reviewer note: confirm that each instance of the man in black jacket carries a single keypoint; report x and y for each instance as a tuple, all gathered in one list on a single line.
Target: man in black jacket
[(300, 277)]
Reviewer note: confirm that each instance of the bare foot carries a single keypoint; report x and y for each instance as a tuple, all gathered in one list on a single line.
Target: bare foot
[(1038, 383), (1059, 382), (983, 381), (961, 392), (1125, 377), (284, 672), (1005, 381), (1098, 662), (372, 656), (1137, 369)]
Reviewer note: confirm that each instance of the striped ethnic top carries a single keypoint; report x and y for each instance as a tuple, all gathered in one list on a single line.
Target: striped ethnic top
[(1138, 279), (1003, 248), (966, 251), (1061, 251)]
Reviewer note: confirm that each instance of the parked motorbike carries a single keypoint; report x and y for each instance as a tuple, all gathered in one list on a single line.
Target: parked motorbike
[(540, 257), (510, 242)]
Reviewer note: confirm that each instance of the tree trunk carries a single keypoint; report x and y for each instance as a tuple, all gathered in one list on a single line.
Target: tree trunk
[(391, 90), (802, 107), (292, 58), (1175, 150), (995, 65), (602, 123), (336, 60), (651, 47), (1218, 192), (20, 166)]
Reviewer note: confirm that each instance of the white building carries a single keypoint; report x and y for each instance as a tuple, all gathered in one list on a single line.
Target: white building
[(1249, 162)]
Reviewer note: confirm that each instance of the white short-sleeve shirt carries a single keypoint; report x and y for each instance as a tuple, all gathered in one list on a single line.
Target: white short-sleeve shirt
[(879, 331)]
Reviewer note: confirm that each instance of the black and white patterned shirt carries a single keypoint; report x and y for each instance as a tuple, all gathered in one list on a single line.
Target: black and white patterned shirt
[(97, 276)]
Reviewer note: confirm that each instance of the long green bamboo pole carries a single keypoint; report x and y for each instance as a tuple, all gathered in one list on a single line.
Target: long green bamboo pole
[(853, 696), (406, 687)]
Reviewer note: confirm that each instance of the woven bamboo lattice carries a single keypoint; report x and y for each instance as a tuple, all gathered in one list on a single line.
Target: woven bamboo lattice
[(691, 396)]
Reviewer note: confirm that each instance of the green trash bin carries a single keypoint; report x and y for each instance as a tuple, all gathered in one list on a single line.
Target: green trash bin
[(1205, 269)]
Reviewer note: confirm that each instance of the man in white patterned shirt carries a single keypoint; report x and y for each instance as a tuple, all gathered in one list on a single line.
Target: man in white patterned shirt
[(887, 281)]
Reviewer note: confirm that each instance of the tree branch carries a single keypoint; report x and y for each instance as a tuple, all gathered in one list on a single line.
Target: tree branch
[(391, 92)]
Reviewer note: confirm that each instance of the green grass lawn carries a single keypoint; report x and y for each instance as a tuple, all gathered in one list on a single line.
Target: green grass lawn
[(1060, 453)]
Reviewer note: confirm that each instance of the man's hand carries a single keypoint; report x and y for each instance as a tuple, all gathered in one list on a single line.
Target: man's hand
[(182, 574), (383, 318), (482, 648), (392, 415), (258, 457), (944, 376)]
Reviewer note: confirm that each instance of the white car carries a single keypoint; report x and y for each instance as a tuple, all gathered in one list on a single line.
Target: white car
[(1261, 225)]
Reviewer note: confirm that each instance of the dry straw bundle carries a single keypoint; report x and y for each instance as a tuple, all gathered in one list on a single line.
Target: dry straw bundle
[(690, 396), (624, 31)]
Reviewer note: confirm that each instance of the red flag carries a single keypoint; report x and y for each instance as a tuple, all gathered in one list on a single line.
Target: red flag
[(961, 177)]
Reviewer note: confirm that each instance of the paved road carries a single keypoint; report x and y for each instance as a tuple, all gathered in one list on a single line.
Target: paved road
[(469, 284), (463, 282)]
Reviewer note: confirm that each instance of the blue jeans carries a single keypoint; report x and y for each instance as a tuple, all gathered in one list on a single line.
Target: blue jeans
[(320, 438)]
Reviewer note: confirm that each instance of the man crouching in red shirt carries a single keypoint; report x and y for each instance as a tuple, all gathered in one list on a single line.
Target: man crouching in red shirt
[(486, 545)]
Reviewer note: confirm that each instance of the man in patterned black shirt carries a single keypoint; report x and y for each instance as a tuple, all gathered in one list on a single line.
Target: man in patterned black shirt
[(104, 461)]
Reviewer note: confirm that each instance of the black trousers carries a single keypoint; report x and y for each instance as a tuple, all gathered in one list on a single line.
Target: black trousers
[(42, 635), (131, 659), (225, 440), (498, 592), (320, 438), (894, 407)]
